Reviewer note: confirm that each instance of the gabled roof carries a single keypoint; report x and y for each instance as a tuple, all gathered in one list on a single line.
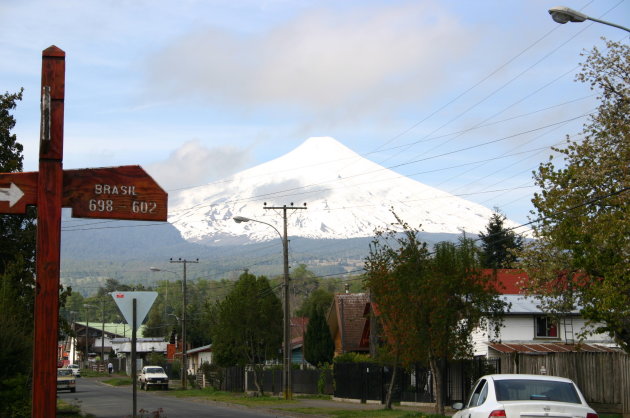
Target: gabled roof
[(521, 304), (143, 347), (346, 318), (298, 327), (113, 329), (544, 348), (508, 280), (201, 349)]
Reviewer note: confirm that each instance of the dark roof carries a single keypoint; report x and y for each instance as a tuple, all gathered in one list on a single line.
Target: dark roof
[(543, 348), (348, 310), (299, 324)]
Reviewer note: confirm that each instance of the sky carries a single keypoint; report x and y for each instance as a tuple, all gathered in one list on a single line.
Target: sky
[(464, 96)]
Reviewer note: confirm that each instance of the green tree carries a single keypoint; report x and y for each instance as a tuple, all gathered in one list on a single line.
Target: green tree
[(246, 326), (428, 304), (17, 269), (318, 301), (319, 347), (582, 250), (498, 244)]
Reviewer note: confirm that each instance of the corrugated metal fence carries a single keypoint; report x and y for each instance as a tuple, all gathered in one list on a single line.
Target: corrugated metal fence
[(603, 378)]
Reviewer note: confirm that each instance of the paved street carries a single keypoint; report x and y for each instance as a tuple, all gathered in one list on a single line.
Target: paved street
[(104, 401)]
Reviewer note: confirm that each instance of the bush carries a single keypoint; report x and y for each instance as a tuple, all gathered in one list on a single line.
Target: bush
[(325, 375), (353, 358), (15, 397), (213, 374), (176, 368)]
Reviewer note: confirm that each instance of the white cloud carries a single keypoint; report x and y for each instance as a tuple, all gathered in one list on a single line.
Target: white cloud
[(192, 164), (327, 62)]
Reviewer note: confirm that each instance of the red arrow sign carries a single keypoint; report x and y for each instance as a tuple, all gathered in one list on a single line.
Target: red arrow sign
[(126, 192), (17, 190)]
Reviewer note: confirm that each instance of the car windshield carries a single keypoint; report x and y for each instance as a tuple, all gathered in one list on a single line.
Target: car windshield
[(543, 390), (155, 370), (64, 372)]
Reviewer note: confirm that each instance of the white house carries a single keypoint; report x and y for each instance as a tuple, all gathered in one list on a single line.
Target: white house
[(528, 329), (144, 346), (197, 356)]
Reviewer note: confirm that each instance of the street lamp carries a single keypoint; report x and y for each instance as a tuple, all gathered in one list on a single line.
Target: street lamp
[(182, 322), (73, 349), (103, 332), (87, 328), (286, 365), (184, 370), (563, 15)]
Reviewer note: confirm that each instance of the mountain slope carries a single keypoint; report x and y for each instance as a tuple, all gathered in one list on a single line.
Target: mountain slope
[(347, 196)]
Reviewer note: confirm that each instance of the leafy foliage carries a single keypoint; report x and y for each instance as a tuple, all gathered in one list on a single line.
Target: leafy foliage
[(582, 252), (246, 326), (429, 304), (352, 357), (17, 269), (319, 347), (318, 301), (498, 244)]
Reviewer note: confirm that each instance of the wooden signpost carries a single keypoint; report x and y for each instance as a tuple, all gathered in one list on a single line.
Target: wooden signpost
[(126, 192)]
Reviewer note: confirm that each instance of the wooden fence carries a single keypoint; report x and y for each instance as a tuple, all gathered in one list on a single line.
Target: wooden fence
[(603, 378)]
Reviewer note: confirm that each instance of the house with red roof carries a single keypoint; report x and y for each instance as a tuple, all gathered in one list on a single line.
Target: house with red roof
[(528, 329)]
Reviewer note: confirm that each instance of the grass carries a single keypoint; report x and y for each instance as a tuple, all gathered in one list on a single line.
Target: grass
[(118, 381), (69, 410), (91, 373), (314, 396), (275, 402), (229, 397), (361, 413)]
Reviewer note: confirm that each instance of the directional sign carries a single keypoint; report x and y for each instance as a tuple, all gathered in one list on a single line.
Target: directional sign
[(144, 301), (126, 192), (17, 190)]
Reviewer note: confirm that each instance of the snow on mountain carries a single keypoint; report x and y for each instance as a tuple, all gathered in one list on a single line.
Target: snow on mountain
[(347, 196)]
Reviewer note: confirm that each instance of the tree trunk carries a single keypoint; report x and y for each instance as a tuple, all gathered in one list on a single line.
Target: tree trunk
[(390, 387), (436, 371), (257, 382)]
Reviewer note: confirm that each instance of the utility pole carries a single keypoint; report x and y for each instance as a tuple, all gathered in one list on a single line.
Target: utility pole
[(286, 352), (184, 365), (102, 332), (87, 333)]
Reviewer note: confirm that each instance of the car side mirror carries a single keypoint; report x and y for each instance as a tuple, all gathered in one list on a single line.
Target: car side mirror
[(458, 406)]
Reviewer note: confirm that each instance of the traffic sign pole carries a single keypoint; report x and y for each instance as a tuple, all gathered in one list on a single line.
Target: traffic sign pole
[(49, 192), (134, 372), (126, 192)]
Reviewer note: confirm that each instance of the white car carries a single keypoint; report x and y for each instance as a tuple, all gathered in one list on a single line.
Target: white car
[(66, 380), (524, 395), (76, 370), (153, 376)]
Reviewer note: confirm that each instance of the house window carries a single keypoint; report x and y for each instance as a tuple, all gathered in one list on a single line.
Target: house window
[(546, 327)]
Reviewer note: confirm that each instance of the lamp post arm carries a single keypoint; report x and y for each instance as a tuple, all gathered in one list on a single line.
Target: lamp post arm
[(608, 23), (275, 229)]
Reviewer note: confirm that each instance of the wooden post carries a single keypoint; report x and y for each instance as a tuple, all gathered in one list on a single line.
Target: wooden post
[(134, 372), (49, 193)]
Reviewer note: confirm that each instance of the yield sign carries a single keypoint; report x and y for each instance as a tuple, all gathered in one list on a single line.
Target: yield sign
[(144, 301)]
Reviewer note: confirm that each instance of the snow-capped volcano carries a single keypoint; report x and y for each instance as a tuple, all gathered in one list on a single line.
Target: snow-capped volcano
[(347, 196)]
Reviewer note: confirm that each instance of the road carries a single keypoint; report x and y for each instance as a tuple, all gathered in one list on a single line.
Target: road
[(104, 401)]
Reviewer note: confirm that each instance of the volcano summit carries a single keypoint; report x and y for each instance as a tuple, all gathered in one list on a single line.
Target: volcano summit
[(347, 195)]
